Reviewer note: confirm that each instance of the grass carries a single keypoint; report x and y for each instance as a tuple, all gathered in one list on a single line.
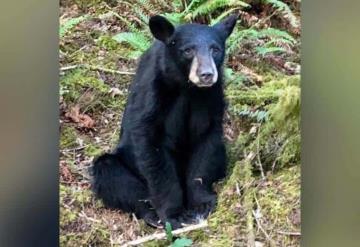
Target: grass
[(262, 119)]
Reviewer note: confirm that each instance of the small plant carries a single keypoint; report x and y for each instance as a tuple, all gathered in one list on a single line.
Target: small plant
[(70, 23), (286, 12), (179, 242)]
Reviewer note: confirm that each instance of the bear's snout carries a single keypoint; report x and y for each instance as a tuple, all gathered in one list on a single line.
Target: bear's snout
[(203, 72)]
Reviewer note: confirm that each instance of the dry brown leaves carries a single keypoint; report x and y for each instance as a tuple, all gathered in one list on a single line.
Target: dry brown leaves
[(83, 120), (65, 173)]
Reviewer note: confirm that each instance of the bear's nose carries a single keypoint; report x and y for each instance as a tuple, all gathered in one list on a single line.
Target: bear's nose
[(206, 77)]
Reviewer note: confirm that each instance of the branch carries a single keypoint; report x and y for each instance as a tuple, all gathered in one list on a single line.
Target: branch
[(248, 202), (271, 242), (91, 67), (155, 236), (290, 233)]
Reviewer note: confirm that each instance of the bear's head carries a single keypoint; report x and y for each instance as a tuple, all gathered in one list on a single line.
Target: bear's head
[(197, 50)]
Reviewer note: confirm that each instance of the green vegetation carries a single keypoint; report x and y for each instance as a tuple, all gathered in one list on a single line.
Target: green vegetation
[(259, 201), (179, 242)]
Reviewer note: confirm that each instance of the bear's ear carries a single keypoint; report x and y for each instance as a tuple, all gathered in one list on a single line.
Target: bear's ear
[(161, 28), (226, 26)]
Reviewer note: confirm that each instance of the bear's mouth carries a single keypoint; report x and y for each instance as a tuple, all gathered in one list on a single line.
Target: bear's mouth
[(202, 84)]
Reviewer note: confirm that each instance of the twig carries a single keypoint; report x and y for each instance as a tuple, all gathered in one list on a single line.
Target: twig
[(271, 242), (73, 149), (91, 67), (82, 214), (290, 233), (238, 189), (69, 67), (248, 202), (258, 155), (163, 235)]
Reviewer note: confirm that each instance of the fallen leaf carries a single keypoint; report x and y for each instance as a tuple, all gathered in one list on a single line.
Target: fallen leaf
[(84, 120), (65, 173)]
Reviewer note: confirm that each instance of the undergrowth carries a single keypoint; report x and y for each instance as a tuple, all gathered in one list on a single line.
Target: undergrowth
[(100, 42)]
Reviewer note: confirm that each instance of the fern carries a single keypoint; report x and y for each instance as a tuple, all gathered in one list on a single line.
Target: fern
[(277, 107), (175, 18), (220, 17), (238, 37), (276, 34), (142, 16), (285, 10), (69, 24), (139, 42), (273, 40), (258, 115), (232, 77), (209, 6), (193, 4), (177, 5), (265, 50)]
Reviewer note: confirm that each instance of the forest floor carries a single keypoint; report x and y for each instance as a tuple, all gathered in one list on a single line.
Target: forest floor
[(257, 206)]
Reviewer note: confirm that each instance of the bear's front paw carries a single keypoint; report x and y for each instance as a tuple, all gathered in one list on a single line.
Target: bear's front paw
[(202, 208), (152, 219), (179, 221)]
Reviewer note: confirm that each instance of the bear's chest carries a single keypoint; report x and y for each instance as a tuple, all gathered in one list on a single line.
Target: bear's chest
[(186, 120)]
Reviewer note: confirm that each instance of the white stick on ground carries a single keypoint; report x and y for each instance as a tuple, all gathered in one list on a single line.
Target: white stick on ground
[(162, 235), (70, 67)]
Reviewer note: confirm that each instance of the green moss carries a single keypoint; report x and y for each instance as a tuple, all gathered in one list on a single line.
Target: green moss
[(108, 43), (96, 236), (157, 243), (276, 106), (278, 199), (93, 150), (74, 83), (224, 223), (72, 201), (67, 137)]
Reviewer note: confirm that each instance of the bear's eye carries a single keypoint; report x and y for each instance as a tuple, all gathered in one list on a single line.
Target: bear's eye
[(214, 50), (188, 51)]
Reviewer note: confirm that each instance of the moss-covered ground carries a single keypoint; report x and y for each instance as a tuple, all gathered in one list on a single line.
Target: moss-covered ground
[(259, 201)]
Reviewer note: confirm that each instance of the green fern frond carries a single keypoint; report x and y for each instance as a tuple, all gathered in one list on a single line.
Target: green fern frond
[(193, 5), (142, 16), (276, 33), (211, 5), (232, 77), (177, 5), (138, 41), (175, 18), (69, 24), (239, 36), (265, 50), (285, 10), (222, 16), (275, 39), (277, 42)]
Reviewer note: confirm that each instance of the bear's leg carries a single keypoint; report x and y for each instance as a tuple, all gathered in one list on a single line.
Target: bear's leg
[(119, 188), (207, 165)]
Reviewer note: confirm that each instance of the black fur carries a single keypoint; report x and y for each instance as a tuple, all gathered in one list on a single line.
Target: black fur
[(171, 146)]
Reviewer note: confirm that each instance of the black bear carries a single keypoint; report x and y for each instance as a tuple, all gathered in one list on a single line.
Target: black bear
[(171, 147)]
